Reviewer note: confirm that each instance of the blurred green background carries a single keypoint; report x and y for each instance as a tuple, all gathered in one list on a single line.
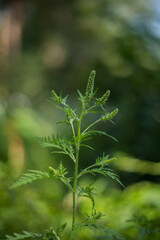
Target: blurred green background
[(53, 44)]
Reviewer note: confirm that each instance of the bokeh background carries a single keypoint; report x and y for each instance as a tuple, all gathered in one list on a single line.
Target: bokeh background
[(54, 44)]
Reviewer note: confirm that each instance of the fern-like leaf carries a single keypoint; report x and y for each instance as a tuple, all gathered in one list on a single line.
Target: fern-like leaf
[(24, 235), (95, 132), (105, 233), (63, 145), (87, 146), (70, 115), (33, 175), (59, 174), (104, 160), (64, 106), (103, 171), (52, 234), (81, 97), (60, 230), (59, 99), (89, 192), (30, 176), (101, 232), (48, 234)]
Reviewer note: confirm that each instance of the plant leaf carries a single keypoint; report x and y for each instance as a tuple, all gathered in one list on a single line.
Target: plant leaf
[(24, 235), (59, 174), (59, 99), (104, 160), (103, 171), (94, 132), (84, 145), (105, 233), (30, 176), (81, 97), (88, 191), (63, 144), (33, 175)]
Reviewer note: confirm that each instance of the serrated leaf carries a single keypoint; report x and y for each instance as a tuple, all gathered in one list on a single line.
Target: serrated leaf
[(85, 138), (59, 174), (34, 175), (94, 111), (60, 230), (30, 176), (103, 171), (88, 191), (104, 160), (105, 233), (77, 227), (101, 133), (81, 97), (84, 145), (63, 144), (24, 235), (59, 152), (59, 99)]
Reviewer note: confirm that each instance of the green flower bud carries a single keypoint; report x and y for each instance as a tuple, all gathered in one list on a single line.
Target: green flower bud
[(103, 99), (90, 87), (106, 117), (98, 215), (52, 171), (112, 114), (109, 116)]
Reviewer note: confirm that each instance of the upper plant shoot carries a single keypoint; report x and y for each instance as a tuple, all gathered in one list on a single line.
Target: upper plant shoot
[(71, 148)]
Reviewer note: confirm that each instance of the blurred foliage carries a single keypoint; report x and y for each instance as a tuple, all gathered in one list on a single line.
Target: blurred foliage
[(61, 42), (41, 205)]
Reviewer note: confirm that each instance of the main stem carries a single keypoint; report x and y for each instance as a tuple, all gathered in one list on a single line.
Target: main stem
[(74, 189), (76, 172)]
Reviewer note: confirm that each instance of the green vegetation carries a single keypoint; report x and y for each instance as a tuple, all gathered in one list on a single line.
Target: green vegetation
[(80, 134), (54, 46)]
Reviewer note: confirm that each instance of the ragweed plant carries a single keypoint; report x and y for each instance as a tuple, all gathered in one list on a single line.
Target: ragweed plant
[(71, 147)]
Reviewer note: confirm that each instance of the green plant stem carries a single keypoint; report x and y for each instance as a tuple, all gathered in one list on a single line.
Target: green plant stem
[(91, 108), (77, 142), (94, 165), (98, 120), (74, 189), (76, 170)]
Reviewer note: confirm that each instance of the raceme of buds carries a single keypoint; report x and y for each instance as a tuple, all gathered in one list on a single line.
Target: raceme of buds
[(90, 87), (103, 99), (114, 113), (109, 116)]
